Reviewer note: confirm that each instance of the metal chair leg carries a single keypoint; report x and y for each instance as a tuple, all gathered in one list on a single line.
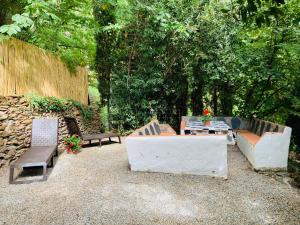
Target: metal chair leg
[(45, 172), (51, 161), (11, 175)]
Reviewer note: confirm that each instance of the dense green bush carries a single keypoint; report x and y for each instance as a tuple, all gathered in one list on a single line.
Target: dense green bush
[(168, 58), (48, 104)]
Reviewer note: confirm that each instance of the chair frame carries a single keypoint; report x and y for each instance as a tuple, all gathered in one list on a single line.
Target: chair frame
[(89, 137), (40, 162)]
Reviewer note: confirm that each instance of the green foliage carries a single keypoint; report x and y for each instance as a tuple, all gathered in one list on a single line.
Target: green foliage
[(10, 29), (93, 81), (85, 111), (170, 58), (206, 116), (53, 104), (144, 61), (48, 104), (65, 28), (3, 38), (104, 118), (94, 94), (73, 144), (167, 58)]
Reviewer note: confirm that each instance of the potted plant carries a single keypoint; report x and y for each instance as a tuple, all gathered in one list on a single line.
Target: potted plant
[(73, 144), (206, 117)]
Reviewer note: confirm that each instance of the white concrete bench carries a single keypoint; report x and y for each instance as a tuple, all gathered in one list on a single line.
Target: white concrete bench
[(265, 144), (183, 154)]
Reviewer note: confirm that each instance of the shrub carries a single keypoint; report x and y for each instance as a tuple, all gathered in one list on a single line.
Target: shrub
[(53, 104), (73, 144)]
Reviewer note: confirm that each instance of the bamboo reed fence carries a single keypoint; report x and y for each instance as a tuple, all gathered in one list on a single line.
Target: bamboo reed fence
[(25, 68)]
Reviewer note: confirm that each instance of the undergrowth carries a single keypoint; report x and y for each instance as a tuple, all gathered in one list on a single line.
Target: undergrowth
[(53, 104)]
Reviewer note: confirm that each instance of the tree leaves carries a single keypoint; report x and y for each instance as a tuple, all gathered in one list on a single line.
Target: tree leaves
[(66, 28), (10, 29), (20, 22)]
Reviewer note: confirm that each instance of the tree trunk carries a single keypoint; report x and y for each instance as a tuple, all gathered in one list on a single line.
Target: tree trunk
[(198, 89), (226, 99), (215, 100)]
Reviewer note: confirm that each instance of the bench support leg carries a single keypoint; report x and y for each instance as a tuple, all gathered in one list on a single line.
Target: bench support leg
[(100, 143), (11, 175), (119, 139), (109, 139)]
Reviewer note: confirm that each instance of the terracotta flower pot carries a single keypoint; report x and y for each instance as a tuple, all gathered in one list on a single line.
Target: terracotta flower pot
[(207, 123), (70, 151)]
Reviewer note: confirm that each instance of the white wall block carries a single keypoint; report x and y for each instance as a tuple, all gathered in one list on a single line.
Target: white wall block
[(270, 152), (190, 154)]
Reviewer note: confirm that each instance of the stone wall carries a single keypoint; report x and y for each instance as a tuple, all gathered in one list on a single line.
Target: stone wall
[(15, 126)]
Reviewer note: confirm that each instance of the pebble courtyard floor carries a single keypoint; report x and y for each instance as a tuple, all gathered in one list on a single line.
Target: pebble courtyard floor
[(96, 187)]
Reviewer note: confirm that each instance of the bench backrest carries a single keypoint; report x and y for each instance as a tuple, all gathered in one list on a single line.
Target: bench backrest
[(44, 132), (151, 128), (259, 127)]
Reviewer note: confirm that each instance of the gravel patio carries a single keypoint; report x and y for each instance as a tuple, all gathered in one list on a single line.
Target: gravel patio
[(96, 187)]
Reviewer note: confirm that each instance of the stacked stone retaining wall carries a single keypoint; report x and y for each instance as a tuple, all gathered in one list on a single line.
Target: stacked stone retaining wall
[(15, 126)]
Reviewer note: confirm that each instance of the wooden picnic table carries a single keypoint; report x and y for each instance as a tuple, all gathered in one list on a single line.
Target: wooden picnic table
[(214, 127)]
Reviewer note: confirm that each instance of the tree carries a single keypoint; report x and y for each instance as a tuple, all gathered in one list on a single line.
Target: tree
[(106, 44), (65, 28)]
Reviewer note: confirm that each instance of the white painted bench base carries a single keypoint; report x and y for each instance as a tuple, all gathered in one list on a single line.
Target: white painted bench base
[(270, 152), (190, 154)]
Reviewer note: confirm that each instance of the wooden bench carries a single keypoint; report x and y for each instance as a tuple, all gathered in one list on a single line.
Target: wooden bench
[(73, 128)]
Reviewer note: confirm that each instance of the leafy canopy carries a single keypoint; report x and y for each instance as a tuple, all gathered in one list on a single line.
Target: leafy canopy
[(65, 28)]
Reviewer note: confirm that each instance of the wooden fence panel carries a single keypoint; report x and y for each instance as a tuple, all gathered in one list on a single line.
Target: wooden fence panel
[(26, 68)]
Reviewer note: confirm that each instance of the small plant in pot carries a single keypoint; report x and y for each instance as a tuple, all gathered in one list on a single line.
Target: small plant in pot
[(73, 144), (206, 117)]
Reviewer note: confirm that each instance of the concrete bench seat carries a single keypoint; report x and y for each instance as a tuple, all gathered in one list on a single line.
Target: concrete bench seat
[(249, 136), (265, 144), (157, 148)]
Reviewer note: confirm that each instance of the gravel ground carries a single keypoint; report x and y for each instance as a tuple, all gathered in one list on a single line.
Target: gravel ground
[(96, 187)]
